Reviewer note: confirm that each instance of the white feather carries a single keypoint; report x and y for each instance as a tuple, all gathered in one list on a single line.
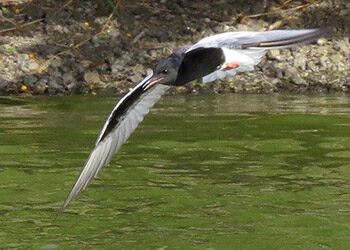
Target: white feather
[(235, 40), (246, 59)]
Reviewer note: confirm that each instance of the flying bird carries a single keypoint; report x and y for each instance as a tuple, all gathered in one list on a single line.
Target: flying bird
[(214, 57)]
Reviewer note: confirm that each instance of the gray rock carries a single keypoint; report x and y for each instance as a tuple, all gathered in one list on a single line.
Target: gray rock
[(300, 62), (40, 86), (65, 30), (344, 45), (56, 74), (114, 33), (135, 78), (293, 75), (117, 66), (324, 61), (57, 62), (311, 65), (67, 78), (33, 66), (322, 41), (274, 54), (52, 86), (31, 79)]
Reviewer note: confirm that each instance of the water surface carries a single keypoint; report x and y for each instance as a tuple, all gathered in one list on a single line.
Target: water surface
[(201, 172)]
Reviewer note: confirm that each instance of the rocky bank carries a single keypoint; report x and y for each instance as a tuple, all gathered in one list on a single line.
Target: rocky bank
[(76, 46)]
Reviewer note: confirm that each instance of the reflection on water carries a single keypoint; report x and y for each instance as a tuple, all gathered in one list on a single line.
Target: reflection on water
[(206, 172)]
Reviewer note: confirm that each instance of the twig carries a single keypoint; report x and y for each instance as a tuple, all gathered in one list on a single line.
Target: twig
[(138, 37), (9, 21), (286, 2), (46, 64), (68, 3), (62, 45), (19, 27), (114, 6), (280, 11)]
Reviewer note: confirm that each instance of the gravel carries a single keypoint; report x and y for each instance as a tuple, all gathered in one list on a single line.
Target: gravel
[(72, 49)]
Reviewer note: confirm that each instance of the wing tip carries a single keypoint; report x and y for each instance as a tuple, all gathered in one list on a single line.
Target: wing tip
[(72, 194), (64, 206), (66, 203)]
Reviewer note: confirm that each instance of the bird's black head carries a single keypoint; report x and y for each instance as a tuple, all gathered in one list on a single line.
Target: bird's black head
[(166, 70)]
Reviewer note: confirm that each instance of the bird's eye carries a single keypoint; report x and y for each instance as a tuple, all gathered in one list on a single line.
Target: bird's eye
[(165, 71)]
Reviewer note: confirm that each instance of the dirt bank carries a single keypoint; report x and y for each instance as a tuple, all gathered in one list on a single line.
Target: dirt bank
[(91, 46)]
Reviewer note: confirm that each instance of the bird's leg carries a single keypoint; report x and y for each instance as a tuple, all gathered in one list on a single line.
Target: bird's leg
[(230, 65)]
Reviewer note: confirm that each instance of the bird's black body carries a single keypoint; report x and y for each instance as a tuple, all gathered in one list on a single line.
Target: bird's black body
[(181, 67), (198, 63)]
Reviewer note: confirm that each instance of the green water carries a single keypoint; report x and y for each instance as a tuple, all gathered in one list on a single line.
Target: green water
[(201, 172)]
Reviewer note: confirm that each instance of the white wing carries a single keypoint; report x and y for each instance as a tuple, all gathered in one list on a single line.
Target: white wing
[(272, 39), (247, 48), (122, 121)]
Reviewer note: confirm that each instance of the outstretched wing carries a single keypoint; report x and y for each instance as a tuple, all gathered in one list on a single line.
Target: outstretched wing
[(273, 39), (122, 121), (246, 48)]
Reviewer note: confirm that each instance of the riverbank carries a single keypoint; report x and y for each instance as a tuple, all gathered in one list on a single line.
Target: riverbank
[(51, 47)]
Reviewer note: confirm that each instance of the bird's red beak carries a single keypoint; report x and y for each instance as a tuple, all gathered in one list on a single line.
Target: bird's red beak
[(151, 82)]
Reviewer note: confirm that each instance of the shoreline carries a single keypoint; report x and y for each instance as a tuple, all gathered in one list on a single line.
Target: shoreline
[(89, 47)]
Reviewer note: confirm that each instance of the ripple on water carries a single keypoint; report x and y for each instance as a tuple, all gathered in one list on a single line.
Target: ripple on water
[(212, 171)]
